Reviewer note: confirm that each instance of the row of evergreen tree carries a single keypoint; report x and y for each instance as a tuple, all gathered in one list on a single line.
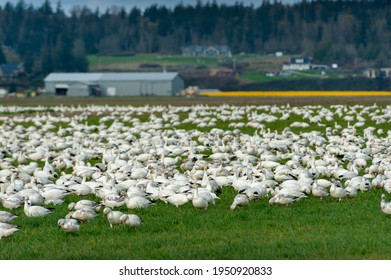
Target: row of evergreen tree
[(47, 38)]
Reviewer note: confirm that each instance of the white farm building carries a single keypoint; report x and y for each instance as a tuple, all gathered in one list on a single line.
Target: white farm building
[(114, 84)]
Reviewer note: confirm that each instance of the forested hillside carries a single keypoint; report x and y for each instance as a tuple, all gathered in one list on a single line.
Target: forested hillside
[(47, 39)]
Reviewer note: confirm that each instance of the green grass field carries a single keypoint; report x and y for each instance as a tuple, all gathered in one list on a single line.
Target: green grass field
[(311, 229)]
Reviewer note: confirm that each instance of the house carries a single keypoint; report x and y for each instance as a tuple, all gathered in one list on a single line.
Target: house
[(114, 84), (207, 51), (373, 73), (10, 71), (297, 63)]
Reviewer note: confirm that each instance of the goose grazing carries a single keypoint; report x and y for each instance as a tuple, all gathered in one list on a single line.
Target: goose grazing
[(178, 199), (69, 225), (112, 216), (6, 217), (83, 215), (11, 202), (385, 206), (34, 210), (337, 191), (114, 200), (137, 202), (285, 199), (239, 200), (131, 220), (319, 191), (7, 230), (84, 203), (199, 202)]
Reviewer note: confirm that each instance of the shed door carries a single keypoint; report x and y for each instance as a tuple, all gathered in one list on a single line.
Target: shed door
[(61, 89)]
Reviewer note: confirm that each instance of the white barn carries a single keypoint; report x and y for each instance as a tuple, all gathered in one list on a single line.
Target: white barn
[(114, 84)]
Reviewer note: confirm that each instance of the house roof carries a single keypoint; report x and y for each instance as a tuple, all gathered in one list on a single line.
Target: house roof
[(93, 77)]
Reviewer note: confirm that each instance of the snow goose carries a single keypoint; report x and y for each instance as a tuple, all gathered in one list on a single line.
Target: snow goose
[(7, 230), (83, 203), (34, 210), (11, 201), (178, 199), (69, 225), (6, 217), (83, 215), (137, 202), (114, 200), (285, 199), (319, 191), (81, 189), (131, 220), (387, 185), (239, 200), (337, 191), (112, 216), (385, 206), (199, 202)]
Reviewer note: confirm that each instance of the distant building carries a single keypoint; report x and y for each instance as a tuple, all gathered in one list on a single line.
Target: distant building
[(10, 71), (114, 84), (297, 63), (373, 73), (207, 51)]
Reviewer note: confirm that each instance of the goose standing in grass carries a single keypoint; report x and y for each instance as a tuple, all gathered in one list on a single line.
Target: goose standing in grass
[(136, 202), (178, 199), (285, 199), (319, 191), (385, 206), (337, 191), (112, 216), (198, 201), (131, 220), (6, 217), (35, 210), (84, 203), (11, 201), (83, 215), (7, 230), (69, 225), (239, 200)]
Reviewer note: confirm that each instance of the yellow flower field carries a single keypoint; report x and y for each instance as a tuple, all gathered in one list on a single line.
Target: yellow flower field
[(294, 93)]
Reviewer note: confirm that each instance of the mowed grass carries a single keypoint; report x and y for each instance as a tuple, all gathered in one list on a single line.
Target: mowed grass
[(311, 229)]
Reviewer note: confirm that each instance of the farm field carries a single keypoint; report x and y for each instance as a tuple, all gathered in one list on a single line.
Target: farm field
[(232, 136)]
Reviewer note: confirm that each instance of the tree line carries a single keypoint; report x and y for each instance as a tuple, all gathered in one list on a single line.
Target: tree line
[(47, 39)]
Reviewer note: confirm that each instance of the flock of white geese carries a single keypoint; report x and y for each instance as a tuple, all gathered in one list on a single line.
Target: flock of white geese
[(137, 156)]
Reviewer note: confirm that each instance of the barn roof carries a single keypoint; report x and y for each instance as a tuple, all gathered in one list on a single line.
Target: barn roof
[(86, 77)]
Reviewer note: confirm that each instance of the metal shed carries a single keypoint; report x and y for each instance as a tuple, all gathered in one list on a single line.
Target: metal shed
[(114, 84)]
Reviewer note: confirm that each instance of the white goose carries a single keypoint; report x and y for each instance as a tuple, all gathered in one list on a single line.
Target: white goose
[(11, 201), (131, 220), (137, 202), (239, 200), (84, 203), (178, 199), (7, 230), (285, 199), (112, 216), (385, 206), (199, 202), (69, 225), (6, 217), (34, 210), (83, 215), (319, 191), (337, 191)]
